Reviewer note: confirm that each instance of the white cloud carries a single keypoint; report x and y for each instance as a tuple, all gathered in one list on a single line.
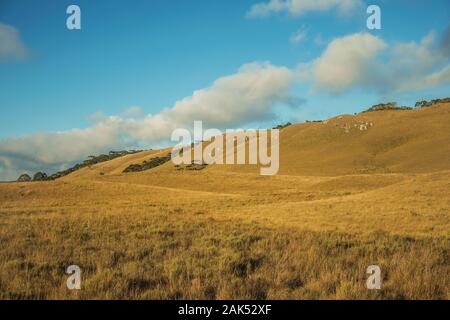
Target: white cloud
[(133, 112), (346, 62), (96, 117), (434, 79), (366, 61), (300, 7), (11, 46), (231, 101), (298, 36), (414, 66), (236, 99)]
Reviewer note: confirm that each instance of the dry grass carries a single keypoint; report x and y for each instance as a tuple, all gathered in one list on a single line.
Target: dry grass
[(227, 233), (145, 242)]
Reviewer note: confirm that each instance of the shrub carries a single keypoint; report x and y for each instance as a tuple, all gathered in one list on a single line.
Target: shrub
[(282, 126), (91, 161), (424, 103), (387, 106), (40, 176), (24, 178), (147, 165)]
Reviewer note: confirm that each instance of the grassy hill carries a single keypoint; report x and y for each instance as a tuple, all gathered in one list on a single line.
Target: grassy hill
[(400, 141), (353, 191), (387, 141)]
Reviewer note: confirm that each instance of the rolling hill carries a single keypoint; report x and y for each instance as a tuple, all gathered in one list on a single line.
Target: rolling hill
[(352, 191), (387, 141)]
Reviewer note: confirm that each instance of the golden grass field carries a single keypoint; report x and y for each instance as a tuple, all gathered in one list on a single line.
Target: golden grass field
[(342, 201)]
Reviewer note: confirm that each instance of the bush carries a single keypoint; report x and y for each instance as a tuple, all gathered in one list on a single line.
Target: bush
[(40, 176), (282, 126), (91, 161), (24, 178), (387, 106), (147, 165), (424, 103)]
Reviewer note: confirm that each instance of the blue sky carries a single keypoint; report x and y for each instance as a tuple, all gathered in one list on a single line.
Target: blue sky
[(153, 54)]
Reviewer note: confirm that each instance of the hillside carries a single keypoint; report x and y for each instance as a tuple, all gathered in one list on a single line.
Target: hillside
[(406, 141), (353, 191), (389, 141)]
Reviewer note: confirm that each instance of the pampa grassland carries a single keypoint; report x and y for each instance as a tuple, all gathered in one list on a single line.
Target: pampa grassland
[(344, 199)]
